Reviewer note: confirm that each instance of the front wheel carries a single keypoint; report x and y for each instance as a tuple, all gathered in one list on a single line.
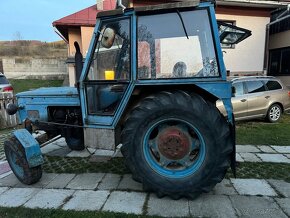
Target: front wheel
[(274, 113), (177, 144), (16, 158)]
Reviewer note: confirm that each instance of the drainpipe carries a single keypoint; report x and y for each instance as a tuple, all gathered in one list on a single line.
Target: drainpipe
[(278, 19)]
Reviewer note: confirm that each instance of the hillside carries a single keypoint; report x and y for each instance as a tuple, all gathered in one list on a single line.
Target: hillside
[(33, 48)]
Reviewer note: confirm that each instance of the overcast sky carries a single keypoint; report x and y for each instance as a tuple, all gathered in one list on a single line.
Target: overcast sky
[(33, 18)]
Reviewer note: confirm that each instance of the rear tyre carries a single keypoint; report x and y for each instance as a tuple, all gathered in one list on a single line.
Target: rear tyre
[(177, 145), (74, 138), (16, 158), (274, 113)]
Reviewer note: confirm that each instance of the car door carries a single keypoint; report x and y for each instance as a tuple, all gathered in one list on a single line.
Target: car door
[(257, 98), (239, 101)]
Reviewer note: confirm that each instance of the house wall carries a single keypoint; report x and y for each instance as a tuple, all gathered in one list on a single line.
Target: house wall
[(247, 56), (87, 33)]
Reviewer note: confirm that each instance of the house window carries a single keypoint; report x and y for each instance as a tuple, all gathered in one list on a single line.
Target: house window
[(279, 62), (231, 23)]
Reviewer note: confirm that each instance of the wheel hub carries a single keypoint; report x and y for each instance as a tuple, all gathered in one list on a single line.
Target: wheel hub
[(173, 143)]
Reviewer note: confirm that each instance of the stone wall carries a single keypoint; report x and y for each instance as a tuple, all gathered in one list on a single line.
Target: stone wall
[(34, 68)]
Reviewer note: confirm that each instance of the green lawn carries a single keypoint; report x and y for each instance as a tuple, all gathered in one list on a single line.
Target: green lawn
[(263, 133), (31, 213), (20, 85)]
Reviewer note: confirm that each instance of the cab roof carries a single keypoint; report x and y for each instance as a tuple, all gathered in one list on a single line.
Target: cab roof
[(151, 8)]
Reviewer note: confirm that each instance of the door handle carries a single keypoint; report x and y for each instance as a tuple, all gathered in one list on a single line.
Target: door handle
[(243, 100), (267, 97)]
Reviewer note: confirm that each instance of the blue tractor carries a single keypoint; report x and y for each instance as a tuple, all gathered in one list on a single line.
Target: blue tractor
[(150, 82)]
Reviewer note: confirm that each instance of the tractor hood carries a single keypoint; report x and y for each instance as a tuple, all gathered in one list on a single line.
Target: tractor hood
[(50, 92), (34, 104)]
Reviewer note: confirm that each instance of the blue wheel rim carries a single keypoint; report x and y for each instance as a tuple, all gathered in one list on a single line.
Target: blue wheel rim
[(176, 168), (17, 169)]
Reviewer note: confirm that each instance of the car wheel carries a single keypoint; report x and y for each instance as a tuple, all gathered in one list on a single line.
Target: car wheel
[(274, 113)]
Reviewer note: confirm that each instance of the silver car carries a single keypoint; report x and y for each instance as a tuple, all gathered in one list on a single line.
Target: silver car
[(5, 86), (258, 97)]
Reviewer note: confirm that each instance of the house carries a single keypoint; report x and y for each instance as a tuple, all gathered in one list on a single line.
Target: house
[(246, 58), (279, 45)]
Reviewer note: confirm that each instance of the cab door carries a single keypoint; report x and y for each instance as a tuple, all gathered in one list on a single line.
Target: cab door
[(108, 73)]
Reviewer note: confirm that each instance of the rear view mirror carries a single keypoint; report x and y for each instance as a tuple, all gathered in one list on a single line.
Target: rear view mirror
[(108, 37)]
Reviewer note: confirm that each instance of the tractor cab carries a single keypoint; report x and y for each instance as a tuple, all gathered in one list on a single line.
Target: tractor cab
[(165, 44)]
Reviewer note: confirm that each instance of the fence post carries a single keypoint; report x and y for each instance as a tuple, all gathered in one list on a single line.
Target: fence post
[(8, 121)]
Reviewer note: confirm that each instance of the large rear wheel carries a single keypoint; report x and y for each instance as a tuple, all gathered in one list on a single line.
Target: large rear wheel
[(177, 144), (16, 158)]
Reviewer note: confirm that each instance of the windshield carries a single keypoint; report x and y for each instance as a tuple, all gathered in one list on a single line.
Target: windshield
[(3, 80)]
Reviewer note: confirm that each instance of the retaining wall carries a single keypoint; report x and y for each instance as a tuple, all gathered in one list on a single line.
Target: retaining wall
[(34, 68)]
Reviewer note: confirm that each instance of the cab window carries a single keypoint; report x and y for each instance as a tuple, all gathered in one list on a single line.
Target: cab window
[(169, 49)]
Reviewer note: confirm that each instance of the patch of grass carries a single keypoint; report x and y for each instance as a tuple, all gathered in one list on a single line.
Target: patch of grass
[(21, 85), (279, 171), (249, 170), (26, 212), (263, 133), (83, 165)]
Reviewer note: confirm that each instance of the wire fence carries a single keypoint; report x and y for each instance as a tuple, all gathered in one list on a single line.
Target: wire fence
[(5, 119)]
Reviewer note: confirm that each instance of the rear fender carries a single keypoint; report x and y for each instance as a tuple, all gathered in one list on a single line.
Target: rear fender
[(30, 146)]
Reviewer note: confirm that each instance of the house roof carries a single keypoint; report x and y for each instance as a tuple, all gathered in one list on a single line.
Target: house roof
[(85, 17)]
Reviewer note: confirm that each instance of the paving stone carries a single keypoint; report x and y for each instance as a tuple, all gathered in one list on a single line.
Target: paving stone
[(45, 179), (87, 200), (258, 207), (83, 153), (284, 203), (3, 189), (126, 202), (49, 148), (62, 152), (281, 186), (86, 181), (16, 197), (274, 158), (160, 207), (9, 181), (60, 181), (224, 188), (247, 149), (212, 206), (266, 149), (282, 149), (61, 142), (253, 187), (5, 174), (106, 153), (127, 183), (91, 150), (4, 167), (250, 157), (109, 182), (49, 199), (239, 158)]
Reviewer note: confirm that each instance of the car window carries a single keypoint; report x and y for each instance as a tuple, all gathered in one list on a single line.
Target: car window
[(255, 86), (273, 85), (239, 88), (3, 80)]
